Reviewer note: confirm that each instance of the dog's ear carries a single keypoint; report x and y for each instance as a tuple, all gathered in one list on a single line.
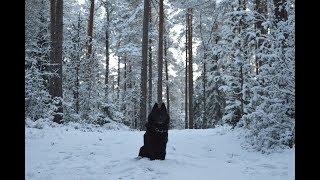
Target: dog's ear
[(163, 108), (164, 111), (153, 112), (155, 106)]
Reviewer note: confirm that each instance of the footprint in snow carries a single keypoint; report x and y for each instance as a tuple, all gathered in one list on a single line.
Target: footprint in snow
[(67, 157), (126, 170), (114, 161), (269, 166), (249, 170), (189, 156), (149, 169), (173, 148)]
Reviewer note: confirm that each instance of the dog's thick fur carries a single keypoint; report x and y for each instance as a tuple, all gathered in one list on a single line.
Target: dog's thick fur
[(156, 136)]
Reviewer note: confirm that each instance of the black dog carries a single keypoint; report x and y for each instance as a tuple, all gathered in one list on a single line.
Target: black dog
[(156, 136)]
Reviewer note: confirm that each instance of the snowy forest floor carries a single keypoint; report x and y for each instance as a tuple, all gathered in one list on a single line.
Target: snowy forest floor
[(68, 153)]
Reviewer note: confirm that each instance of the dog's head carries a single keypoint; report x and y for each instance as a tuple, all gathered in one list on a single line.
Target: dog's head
[(158, 119)]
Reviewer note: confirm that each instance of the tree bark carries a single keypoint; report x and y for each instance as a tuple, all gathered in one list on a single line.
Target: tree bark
[(77, 83), (143, 84), (56, 30), (186, 76), (167, 76), (90, 30), (281, 14), (125, 75), (280, 11), (150, 65), (107, 51), (190, 69), (89, 64), (241, 94), (53, 26), (261, 9), (77, 104), (242, 5), (118, 80), (160, 51), (204, 81), (130, 70), (204, 78)]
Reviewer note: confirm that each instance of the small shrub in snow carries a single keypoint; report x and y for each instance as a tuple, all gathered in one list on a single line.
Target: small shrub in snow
[(268, 132), (41, 123)]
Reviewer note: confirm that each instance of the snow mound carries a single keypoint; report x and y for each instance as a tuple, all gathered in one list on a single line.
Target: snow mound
[(47, 123)]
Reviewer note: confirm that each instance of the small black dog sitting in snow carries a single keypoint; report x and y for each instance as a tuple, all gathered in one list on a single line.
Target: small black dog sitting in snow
[(156, 136)]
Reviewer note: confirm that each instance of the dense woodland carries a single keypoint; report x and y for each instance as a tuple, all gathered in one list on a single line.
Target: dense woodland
[(211, 62)]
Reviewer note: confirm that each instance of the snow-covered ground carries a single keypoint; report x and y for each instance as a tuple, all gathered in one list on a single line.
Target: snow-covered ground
[(66, 153)]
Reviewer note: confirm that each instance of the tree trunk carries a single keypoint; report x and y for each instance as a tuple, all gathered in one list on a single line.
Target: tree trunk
[(90, 30), (204, 78), (107, 51), (56, 56), (280, 11), (281, 14), (150, 65), (53, 30), (89, 64), (261, 9), (113, 84), (130, 70), (167, 76), (118, 80), (125, 75), (186, 76), (241, 94), (143, 84), (190, 69), (204, 81), (77, 104), (160, 51), (77, 83), (242, 5), (134, 120)]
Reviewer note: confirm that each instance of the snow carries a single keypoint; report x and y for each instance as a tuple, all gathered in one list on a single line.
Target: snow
[(64, 152)]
